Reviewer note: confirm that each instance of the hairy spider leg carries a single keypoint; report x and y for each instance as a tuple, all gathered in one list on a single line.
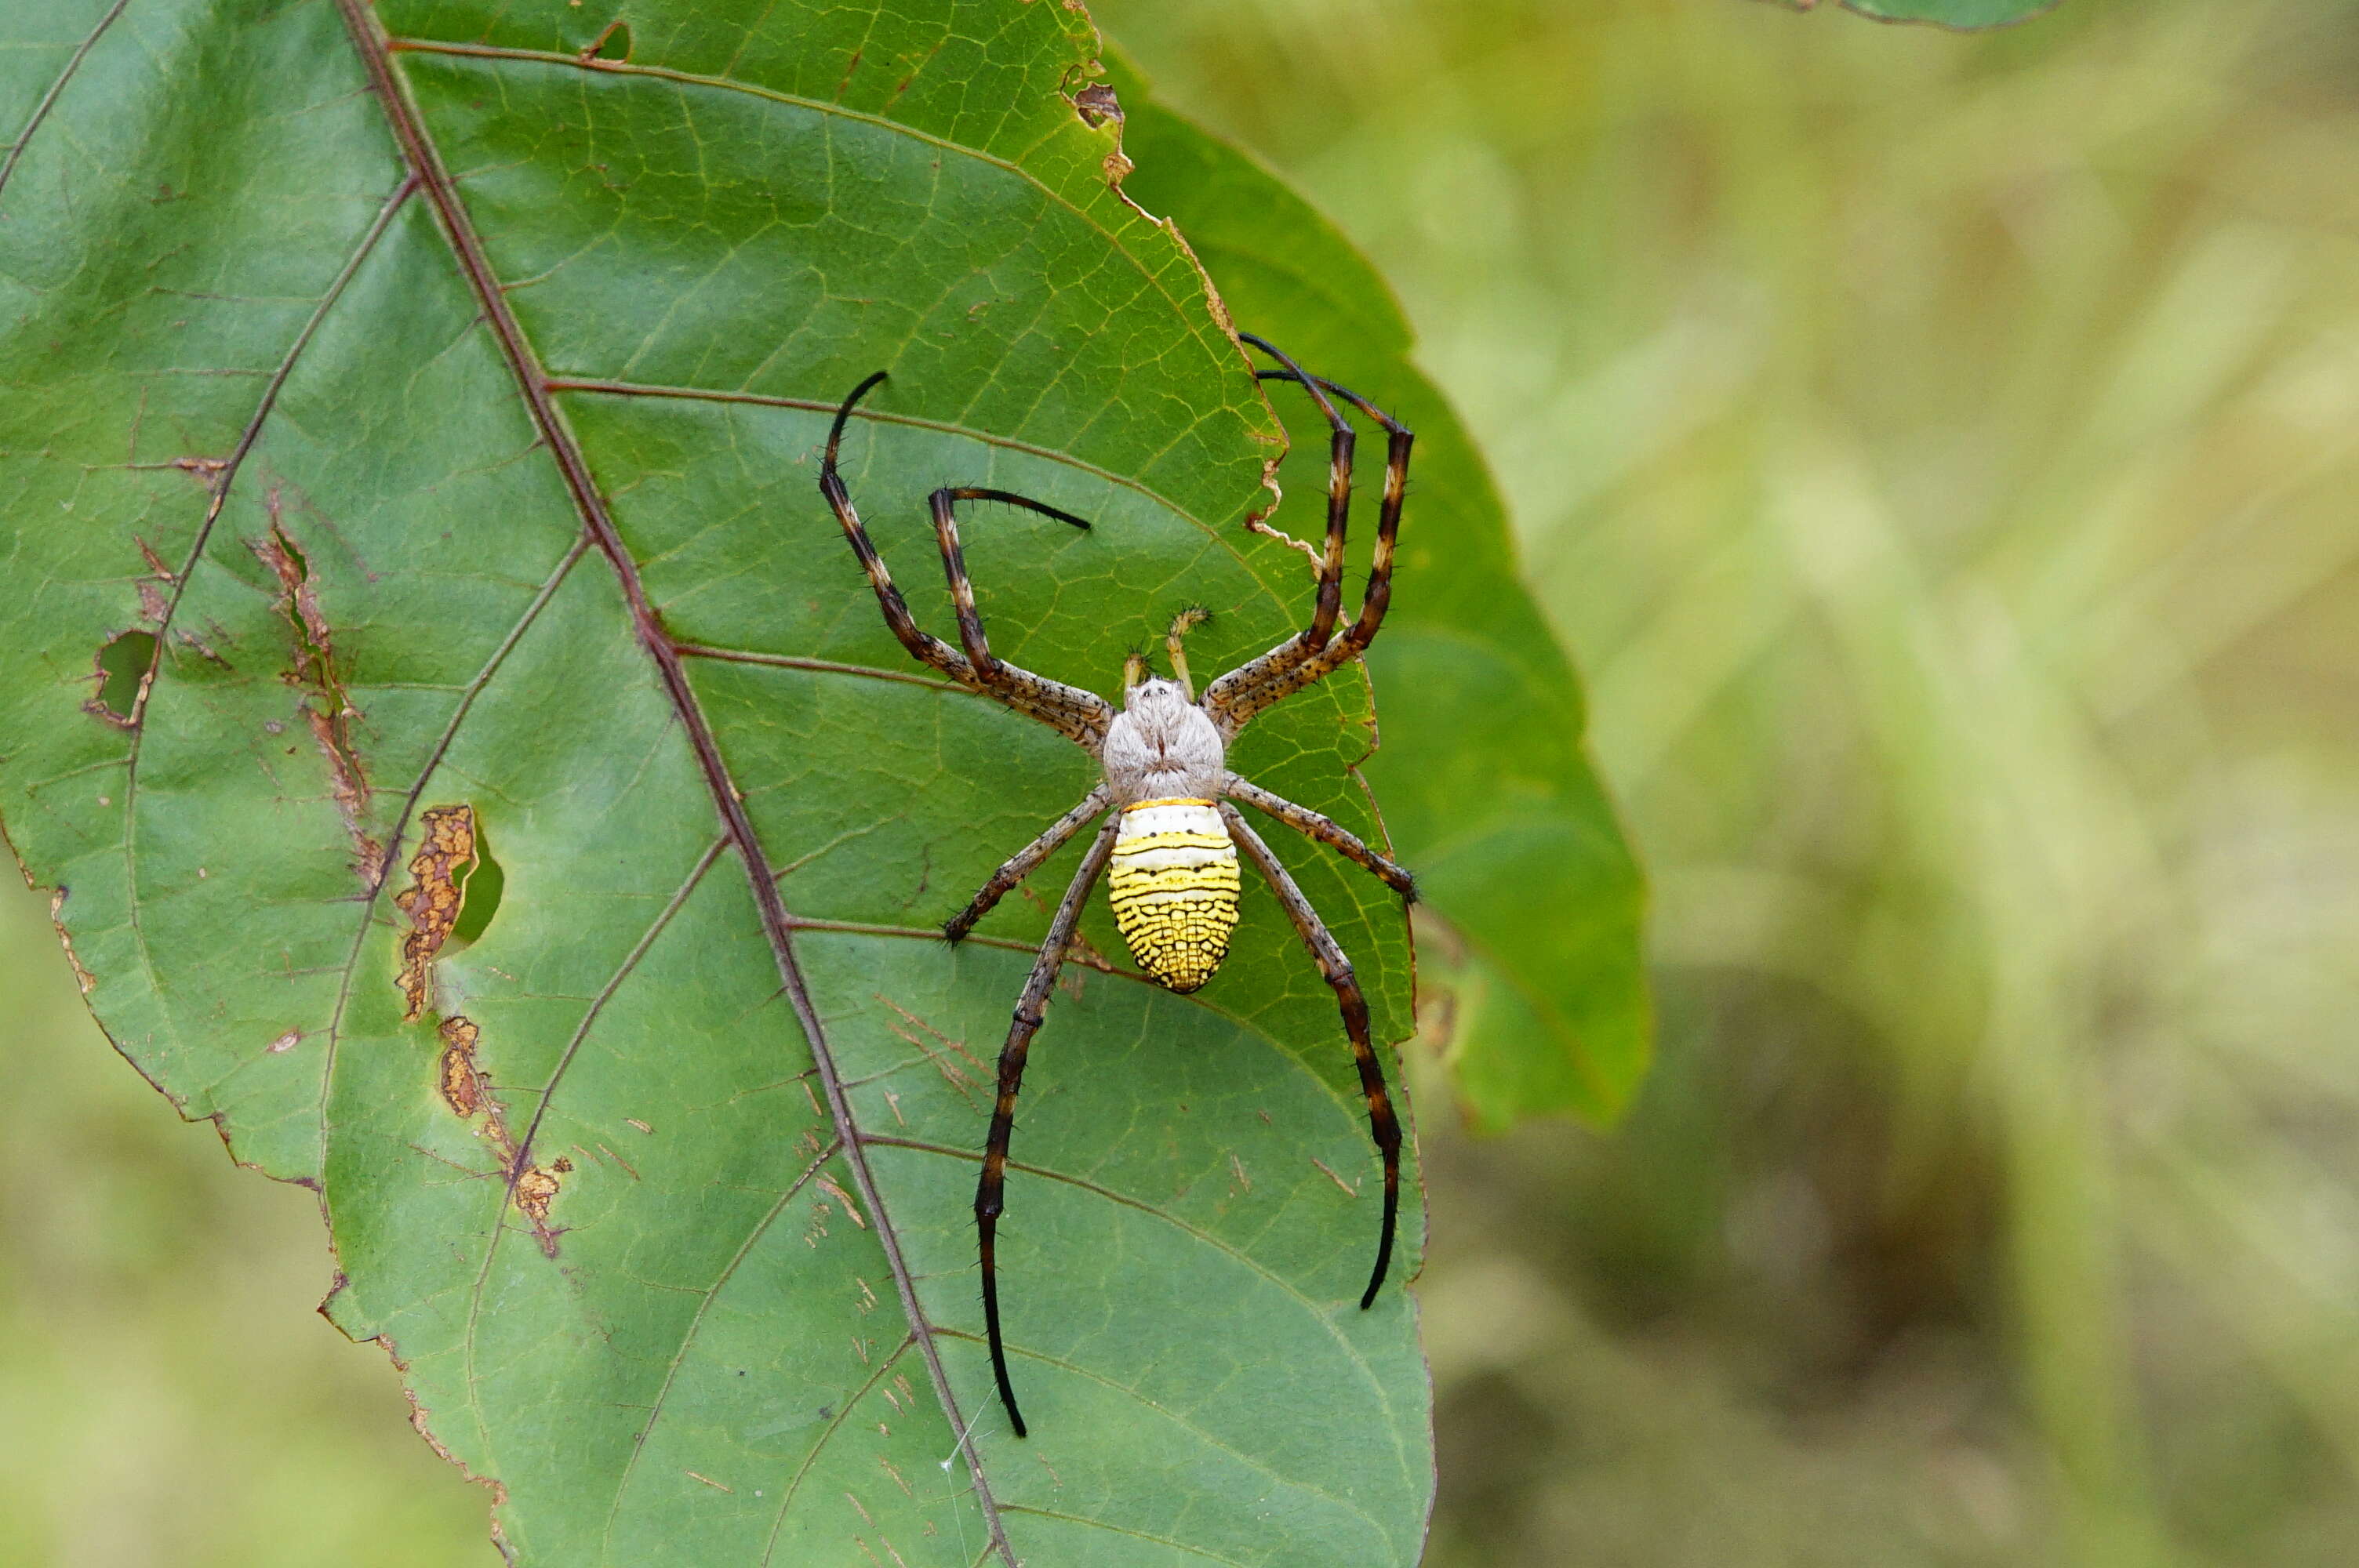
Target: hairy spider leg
[(944, 502), (921, 644), (1079, 715), (1243, 701), (990, 1189), (1341, 445), (1382, 1124), (1325, 830), (1398, 440), (1086, 706), (1027, 860)]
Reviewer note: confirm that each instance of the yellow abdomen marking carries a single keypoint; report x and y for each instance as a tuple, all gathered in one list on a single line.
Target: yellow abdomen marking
[(1174, 885)]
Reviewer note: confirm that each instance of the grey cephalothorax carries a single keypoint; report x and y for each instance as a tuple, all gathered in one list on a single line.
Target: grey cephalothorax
[(1170, 846)]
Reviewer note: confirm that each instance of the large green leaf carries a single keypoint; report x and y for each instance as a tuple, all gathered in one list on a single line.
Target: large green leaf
[(1487, 791), (444, 412)]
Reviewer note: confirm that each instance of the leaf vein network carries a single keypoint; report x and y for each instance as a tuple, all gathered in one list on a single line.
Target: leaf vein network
[(1252, 1265), (1211, 1440), (818, 106), (695, 1325)]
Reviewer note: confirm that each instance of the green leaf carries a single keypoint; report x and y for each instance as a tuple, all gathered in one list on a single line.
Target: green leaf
[(1486, 787), (1964, 14), (447, 410)]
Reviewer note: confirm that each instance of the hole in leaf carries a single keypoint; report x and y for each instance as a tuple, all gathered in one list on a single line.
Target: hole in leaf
[(479, 888), (614, 44), (1096, 103), (123, 663)]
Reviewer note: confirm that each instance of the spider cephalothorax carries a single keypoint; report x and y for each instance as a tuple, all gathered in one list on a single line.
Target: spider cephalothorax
[(1170, 846), (1173, 876)]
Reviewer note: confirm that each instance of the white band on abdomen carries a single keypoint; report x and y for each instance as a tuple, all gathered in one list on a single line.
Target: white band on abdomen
[(1174, 887)]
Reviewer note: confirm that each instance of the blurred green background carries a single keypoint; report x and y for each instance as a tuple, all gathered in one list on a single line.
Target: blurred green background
[(1942, 454)]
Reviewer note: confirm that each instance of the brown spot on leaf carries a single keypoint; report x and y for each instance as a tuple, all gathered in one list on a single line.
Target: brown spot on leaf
[(849, 66), (851, 1213), (204, 470), (537, 1189), (327, 707), (206, 651), (465, 1088), (350, 791), (1349, 1190), (297, 599), (953, 1074), (82, 975), (446, 851)]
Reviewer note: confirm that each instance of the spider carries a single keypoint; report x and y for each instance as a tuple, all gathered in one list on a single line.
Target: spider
[(1170, 845)]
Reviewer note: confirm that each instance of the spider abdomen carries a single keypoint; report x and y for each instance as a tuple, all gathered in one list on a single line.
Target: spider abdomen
[(1173, 881)]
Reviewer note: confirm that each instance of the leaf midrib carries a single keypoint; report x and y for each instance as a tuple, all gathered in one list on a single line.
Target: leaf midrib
[(427, 167)]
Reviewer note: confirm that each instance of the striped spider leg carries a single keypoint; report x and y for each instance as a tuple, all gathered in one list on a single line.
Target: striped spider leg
[(1309, 657), (1168, 841), (1079, 715)]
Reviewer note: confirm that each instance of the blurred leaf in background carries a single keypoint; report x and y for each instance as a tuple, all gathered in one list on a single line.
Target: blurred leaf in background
[(1937, 450), (166, 1396), (1964, 14)]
